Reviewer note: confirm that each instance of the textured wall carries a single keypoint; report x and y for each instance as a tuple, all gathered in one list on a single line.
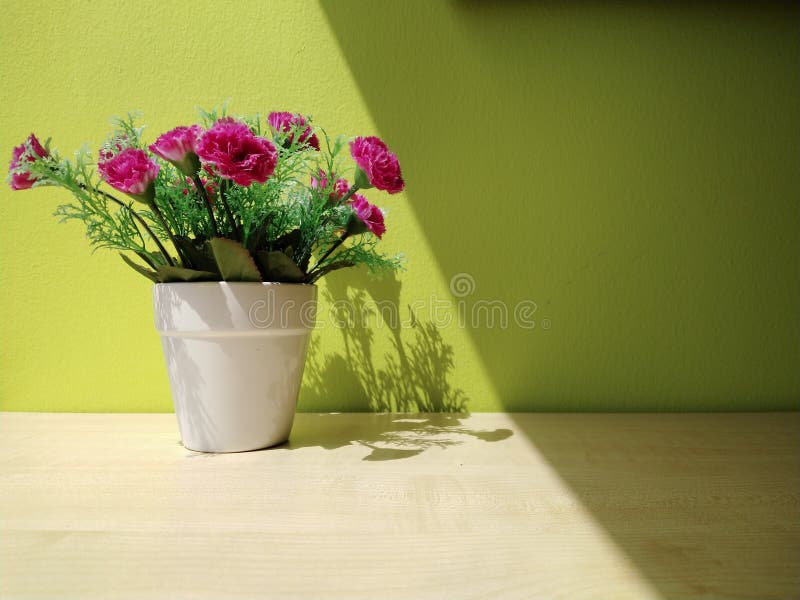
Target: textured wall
[(630, 168)]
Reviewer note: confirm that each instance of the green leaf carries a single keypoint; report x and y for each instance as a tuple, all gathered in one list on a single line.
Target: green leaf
[(303, 264), (276, 266), (234, 261), (151, 275), (169, 274), (338, 144), (197, 253), (257, 238), (293, 239)]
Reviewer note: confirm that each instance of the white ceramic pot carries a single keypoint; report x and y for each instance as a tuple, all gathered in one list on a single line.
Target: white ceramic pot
[(235, 354)]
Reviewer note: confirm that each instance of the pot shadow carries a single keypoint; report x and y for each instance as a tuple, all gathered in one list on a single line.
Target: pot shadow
[(414, 376)]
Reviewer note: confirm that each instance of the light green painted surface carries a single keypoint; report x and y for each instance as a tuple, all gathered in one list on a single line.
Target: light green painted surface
[(633, 170)]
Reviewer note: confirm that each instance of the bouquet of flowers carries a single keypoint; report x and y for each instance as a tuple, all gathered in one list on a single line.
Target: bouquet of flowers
[(232, 199)]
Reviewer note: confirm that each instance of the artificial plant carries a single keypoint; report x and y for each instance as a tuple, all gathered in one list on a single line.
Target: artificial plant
[(230, 199)]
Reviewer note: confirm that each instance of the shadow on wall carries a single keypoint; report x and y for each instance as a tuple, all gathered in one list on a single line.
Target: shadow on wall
[(414, 377), (628, 166)]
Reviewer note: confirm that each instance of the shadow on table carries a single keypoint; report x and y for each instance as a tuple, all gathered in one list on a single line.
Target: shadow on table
[(387, 436), (704, 507)]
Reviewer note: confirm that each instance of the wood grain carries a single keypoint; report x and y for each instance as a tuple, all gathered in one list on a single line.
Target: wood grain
[(363, 506)]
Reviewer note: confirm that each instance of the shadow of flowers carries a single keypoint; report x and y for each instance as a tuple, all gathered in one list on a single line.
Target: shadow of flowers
[(414, 376), (387, 436)]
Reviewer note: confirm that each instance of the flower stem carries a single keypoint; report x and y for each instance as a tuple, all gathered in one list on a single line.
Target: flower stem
[(135, 215), (341, 200), (222, 189), (157, 213), (349, 194), (333, 247), (201, 189), (341, 240)]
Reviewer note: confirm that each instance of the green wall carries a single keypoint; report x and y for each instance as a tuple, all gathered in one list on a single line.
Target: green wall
[(629, 169)]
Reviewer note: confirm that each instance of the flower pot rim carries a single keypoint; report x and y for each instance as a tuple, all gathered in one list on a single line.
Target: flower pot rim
[(236, 283)]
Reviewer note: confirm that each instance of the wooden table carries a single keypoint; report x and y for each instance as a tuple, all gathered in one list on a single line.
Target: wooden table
[(362, 506)]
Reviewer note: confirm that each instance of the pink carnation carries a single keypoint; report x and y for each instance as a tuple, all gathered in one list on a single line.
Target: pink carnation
[(22, 180), (340, 186), (288, 123), (369, 214), (236, 153), (132, 172), (378, 163), (179, 146)]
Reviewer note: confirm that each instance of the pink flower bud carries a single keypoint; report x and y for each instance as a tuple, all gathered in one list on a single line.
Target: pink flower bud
[(286, 123), (21, 179), (113, 146), (340, 186)]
